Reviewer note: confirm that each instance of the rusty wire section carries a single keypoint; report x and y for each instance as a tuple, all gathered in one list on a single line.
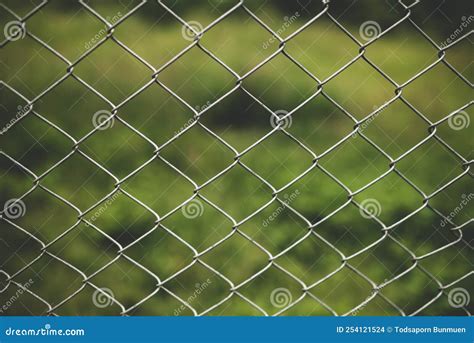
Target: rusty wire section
[(279, 121)]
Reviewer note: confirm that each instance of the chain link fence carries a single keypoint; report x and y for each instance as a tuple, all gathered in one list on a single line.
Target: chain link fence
[(212, 282)]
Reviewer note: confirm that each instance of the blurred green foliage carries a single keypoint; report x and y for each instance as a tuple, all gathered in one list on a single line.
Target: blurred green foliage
[(239, 120)]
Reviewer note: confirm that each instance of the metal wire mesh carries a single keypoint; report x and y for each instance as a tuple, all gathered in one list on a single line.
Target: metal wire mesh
[(194, 203)]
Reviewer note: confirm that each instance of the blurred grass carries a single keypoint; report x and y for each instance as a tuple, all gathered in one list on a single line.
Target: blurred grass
[(240, 121)]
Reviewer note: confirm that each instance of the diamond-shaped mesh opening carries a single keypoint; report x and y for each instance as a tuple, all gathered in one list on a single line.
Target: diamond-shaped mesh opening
[(456, 58), (118, 148), (18, 249), (82, 177), (125, 282), (82, 27), (342, 163), (24, 301), (325, 260), (286, 20), (424, 232), (285, 161), (459, 123), (198, 154), (246, 260), (42, 146), (155, 183), (383, 262), (401, 290), (353, 89), (166, 43), (284, 290), (164, 304), (320, 125), (109, 78), (238, 119), (33, 68), (74, 117), (449, 92), (45, 271), (376, 199), (455, 202), (276, 228), (229, 41), (235, 306), (198, 72), (45, 216), (403, 60), (249, 197), (157, 114), (280, 84), (328, 198), (395, 137), (322, 63), (122, 218), (160, 245), (349, 231), (199, 224), (85, 249), (346, 13), (415, 165), (196, 285), (336, 290), (442, 265), (22, 180)]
